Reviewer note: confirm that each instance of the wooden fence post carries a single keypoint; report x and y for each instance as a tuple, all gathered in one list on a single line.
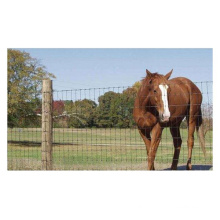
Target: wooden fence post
[(47, 127)]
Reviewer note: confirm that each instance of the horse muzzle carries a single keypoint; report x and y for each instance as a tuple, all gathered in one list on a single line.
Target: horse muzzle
[(164, 117)]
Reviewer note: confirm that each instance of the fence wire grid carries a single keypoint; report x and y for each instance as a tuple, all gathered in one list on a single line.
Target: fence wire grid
[(94, 129)]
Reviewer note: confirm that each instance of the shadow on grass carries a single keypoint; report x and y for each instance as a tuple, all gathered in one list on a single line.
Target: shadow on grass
[(25, 143), (36, 143), (194, 167)]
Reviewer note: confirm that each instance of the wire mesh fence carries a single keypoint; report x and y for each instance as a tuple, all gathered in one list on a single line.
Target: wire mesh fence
[(94, 129)]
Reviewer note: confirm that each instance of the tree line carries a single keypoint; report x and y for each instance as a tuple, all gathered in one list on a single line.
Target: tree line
[(113, 110)]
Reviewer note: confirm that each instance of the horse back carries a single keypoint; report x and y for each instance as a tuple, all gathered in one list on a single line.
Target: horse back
[(184, 96), (184, 86)]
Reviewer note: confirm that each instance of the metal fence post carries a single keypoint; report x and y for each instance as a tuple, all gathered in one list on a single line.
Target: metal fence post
[(47, 128)]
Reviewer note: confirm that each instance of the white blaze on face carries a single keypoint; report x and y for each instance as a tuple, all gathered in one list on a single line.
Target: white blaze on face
[(166, 113)]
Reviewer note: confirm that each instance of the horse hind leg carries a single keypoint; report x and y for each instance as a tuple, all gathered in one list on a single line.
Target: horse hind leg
[(177, 142), (190, 142), (192, 118)]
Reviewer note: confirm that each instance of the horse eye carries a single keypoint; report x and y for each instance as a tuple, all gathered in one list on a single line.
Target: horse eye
[(155, 91)]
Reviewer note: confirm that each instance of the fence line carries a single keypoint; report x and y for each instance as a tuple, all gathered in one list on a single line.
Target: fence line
[(93, 129)]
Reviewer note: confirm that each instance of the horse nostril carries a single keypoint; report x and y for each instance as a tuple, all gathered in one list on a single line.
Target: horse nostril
[(164, 118)]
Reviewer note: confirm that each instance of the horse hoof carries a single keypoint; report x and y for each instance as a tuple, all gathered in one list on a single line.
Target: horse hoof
[(173, 168), (189, 166), (151, 168)]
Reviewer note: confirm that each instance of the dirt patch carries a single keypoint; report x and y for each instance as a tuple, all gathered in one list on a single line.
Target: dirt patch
[(24, 164)]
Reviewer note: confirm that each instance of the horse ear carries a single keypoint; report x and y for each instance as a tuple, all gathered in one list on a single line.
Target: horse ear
[(167, 76), (148, 73)]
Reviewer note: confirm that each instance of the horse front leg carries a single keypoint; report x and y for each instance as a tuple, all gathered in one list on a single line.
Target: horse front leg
[(145, 134), (155, 140)]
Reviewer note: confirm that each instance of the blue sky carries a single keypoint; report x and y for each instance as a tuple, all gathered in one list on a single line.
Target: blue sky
[(98, 68)]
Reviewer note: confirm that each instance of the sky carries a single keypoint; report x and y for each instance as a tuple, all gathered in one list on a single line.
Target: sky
[(101, 68)]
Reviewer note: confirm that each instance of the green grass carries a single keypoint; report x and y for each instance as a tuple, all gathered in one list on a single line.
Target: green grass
[(98, 149)]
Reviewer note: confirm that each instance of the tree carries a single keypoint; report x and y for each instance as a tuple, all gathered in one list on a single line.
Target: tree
[(136, 86), (106, 115), (25, 75), (128, 98), (58, 108), (116, 109), (81, 113)]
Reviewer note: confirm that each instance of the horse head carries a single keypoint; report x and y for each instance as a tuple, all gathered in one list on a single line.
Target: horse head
[(158, 90)]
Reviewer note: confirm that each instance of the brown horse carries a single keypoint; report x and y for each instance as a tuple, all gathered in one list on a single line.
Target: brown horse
[(165, 103)]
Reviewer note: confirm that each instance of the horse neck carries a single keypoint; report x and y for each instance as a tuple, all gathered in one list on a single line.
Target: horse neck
[(142, 100)]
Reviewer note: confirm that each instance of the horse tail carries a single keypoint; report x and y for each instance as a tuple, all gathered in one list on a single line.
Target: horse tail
[(200, 132)]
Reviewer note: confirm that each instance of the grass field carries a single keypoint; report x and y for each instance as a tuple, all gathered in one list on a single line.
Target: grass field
[(98, 149)]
